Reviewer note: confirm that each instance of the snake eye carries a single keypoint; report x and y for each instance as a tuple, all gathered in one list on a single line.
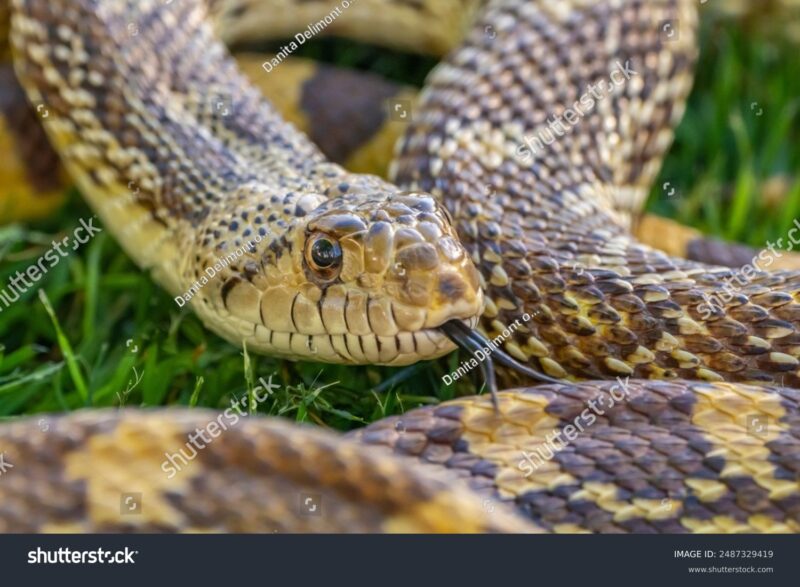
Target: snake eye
[(324, 255)]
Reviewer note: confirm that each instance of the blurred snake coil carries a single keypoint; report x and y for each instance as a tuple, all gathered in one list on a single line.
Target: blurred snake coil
[(341, 267)]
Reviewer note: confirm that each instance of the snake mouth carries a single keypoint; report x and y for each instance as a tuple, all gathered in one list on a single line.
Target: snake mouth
[(472, 341)]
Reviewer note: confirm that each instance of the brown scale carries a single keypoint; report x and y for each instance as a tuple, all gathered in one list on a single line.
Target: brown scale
[(552, 240), (246, 475), (359, 114), (670, 457), (663, 457)]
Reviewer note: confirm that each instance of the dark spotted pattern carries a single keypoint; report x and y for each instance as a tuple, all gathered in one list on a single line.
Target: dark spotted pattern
[(141, 93), (157, 124)]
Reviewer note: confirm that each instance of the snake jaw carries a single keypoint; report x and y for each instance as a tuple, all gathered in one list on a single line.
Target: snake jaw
[(360, 279)]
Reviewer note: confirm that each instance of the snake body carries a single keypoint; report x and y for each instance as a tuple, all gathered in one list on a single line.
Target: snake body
[(671, 457), (352, 269), (344, 112), (396, 270)]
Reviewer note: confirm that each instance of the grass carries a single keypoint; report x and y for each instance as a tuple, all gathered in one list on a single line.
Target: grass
[(100, 333), (735, 163)]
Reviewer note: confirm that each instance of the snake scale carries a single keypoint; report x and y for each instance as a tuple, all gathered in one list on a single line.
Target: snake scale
[(348, 268)]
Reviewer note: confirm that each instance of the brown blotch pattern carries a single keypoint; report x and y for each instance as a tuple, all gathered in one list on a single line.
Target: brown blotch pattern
[(253, 476), (668, 457)]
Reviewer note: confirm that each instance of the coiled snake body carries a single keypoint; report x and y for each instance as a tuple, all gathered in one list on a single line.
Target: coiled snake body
[(184, 161)]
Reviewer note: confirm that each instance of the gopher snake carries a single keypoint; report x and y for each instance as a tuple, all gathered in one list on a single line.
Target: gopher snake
[(352, 269)]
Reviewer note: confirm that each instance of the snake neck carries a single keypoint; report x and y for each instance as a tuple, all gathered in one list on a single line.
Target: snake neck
[(234, 211)]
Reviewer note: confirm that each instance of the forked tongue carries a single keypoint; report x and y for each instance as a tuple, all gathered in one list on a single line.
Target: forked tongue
[(472, 341)]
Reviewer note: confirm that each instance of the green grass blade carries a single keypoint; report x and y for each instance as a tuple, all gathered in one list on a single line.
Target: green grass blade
[(66, 349)]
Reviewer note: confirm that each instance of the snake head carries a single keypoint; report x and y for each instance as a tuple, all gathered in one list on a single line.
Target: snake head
[(357, 279), (384, 275)]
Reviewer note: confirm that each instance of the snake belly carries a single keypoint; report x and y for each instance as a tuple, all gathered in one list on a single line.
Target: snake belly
[(626, 311)]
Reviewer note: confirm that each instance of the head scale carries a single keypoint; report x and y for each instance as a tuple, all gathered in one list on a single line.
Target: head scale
[(353, 279)]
